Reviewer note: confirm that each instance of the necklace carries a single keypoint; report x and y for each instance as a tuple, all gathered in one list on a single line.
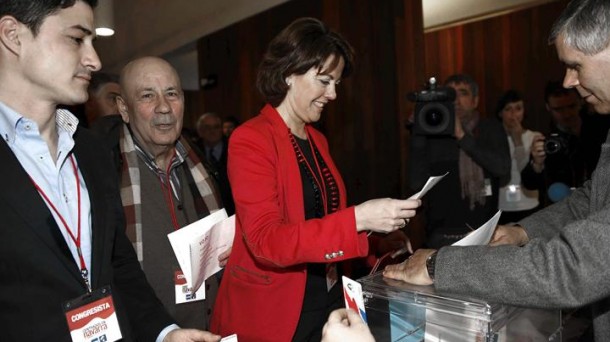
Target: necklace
[(326, 192)]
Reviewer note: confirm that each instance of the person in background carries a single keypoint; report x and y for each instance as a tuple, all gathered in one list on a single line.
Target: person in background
[(229, 124), (214, 146), (567, 157), (516, 201), (293, 226), (62, 235), (163, 184), (346, 325), (103, 91), (477, 159), (556, 258)]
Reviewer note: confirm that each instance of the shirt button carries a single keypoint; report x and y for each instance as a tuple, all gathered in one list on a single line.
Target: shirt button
[(327, 256), (334, 255), (340, 253)]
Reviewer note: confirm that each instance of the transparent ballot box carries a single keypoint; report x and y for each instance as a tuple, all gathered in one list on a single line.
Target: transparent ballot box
[(397, 311)]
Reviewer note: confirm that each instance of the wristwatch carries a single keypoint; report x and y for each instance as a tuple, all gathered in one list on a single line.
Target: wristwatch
[(430, 264)]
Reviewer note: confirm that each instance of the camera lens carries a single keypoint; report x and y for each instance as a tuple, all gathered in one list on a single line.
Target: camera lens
[(552, 146), (433, 118)]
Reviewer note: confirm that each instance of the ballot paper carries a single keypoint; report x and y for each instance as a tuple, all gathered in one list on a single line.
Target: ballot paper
[(429, 185), (198, 245), (483, 234)]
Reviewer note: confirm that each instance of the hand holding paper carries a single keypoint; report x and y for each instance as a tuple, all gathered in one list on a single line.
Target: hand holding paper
[(199, 245)]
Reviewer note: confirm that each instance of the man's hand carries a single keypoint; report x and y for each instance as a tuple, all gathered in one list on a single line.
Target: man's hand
[(412, 270), (190, 335), (223, 258), (346, 325), (509, 235)]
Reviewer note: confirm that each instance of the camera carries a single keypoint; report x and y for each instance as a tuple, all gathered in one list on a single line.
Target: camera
[(555, 144), (434, 110)]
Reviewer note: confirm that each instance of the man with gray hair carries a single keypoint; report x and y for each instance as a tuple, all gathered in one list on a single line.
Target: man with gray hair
[(558, 257)]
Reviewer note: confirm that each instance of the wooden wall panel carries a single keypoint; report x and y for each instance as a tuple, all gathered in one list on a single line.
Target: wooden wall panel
[(504, 52)]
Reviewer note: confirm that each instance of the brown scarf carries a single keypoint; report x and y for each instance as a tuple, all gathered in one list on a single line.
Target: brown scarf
[(201, 185), (471, 174)]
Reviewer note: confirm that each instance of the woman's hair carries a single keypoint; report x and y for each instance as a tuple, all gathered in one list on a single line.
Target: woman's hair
[(302, 45), (509, 96)]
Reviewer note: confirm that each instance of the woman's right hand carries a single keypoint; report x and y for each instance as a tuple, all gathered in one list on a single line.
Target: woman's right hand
[(385, 215)]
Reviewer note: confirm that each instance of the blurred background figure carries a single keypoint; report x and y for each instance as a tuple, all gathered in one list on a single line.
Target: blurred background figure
[(214, 146), (516, 201), (103, 91), (228, 126), (567, 157), (476, 156)]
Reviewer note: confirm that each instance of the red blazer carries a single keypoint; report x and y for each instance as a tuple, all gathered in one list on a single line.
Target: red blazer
[(262, 289)]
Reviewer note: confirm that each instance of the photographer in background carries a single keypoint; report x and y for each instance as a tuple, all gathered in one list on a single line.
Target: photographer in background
[(568, 156), (475, 154)]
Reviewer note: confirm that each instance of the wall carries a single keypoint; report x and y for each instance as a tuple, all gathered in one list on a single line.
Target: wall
[(509, 51)]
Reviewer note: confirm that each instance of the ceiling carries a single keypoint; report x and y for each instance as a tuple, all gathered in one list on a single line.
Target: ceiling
[(171, 28)]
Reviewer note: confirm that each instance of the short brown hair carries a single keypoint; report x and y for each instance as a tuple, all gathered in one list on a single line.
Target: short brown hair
[(302, 45)]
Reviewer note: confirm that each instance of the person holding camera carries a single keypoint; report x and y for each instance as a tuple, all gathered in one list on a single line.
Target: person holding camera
[(516, 201), (567, 157), (476, 155)]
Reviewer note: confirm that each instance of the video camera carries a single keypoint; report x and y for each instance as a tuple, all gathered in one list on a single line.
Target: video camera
[(434, 110)]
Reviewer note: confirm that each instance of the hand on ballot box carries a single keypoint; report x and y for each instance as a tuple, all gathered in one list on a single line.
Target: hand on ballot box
[(413, 270)]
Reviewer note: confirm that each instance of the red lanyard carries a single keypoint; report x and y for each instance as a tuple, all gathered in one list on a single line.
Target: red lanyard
[(167, 193), (76, 240)]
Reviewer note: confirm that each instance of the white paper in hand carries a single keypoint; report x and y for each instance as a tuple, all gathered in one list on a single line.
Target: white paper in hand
[(429, 185), (195, 232), (481, 236)]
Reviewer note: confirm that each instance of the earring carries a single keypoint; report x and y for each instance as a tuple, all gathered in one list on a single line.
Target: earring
[(288, 83)]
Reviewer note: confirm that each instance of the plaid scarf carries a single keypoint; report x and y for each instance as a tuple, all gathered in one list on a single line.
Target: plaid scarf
[(471, 174), (199, 182)]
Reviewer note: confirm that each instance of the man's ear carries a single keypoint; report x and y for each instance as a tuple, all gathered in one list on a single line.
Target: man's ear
[(122, 108), (476, 101), (10, 29)]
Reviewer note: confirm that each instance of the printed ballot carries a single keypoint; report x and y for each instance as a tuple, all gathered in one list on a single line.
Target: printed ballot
[(198, 245), (352, 292)]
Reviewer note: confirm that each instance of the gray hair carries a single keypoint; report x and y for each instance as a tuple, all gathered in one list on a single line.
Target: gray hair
[(206, 115), (585, 26)]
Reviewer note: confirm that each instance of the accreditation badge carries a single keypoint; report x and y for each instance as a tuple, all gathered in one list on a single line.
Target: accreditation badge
[(92, 317), (185, 294)]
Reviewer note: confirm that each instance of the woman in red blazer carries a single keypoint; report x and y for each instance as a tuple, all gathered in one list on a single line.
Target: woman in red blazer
[(293, 227)]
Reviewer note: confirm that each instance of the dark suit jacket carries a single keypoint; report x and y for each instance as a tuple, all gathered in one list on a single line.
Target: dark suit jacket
[(37, 271)]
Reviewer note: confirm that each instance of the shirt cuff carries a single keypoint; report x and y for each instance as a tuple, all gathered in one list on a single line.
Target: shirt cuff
[(166, 331)]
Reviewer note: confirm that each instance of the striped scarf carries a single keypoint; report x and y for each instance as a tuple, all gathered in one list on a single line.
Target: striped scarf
[(201, 186)]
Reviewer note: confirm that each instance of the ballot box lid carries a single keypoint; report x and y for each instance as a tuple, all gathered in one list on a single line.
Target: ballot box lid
[(463, 311)]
